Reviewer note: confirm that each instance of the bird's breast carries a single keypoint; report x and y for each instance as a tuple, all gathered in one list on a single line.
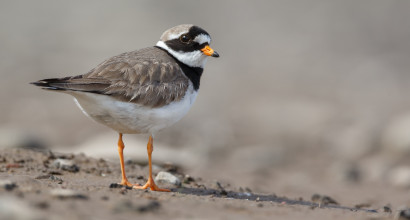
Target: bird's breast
[(127, 117)]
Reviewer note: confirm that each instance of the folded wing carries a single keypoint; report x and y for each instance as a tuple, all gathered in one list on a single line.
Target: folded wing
[(149, 77)]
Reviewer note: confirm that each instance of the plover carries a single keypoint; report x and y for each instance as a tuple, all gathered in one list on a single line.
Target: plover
[(143, 91)]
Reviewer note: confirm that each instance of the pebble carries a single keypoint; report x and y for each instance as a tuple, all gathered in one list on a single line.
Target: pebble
[(166, 177), (117, 185), (387, 209), (65, 164), (67, 194), (323, 200), (188, 179), (404, 214), (56, 179), (7, 185)]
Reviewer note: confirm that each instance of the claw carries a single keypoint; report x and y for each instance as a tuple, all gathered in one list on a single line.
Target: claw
[(151, 184)]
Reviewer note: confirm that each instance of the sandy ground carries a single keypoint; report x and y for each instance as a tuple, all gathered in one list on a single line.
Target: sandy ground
[(34, 186), (307, 97)]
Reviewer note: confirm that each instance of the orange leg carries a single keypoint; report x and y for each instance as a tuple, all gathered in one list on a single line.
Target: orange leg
[(124, 180), (150, 183)]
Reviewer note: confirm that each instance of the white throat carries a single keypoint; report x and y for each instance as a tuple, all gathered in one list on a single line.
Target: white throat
[(192, 59)]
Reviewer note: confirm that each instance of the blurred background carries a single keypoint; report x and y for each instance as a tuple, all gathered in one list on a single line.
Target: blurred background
[(307, 96)]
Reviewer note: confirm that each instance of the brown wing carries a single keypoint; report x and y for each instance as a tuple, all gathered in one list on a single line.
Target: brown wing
[(149, 77)]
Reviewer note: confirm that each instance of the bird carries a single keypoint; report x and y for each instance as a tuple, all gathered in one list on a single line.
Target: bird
[(142, 91)]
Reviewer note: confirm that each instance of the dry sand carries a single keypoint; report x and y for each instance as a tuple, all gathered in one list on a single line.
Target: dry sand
[(34, 186)]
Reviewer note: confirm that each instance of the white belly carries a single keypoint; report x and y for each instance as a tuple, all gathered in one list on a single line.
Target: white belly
[(131, 118)]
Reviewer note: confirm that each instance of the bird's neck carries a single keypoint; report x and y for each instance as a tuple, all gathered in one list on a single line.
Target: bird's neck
[(193, 73)]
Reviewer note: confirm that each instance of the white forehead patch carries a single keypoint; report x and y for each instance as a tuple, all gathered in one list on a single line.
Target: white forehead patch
[(172, 36), (203, 38)]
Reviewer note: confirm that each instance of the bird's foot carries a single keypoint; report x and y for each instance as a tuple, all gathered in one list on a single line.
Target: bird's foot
[(151, 184), (127, 183)]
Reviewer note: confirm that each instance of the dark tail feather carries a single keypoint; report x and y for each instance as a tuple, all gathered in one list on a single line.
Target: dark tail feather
[(52, 83), (74, 83)]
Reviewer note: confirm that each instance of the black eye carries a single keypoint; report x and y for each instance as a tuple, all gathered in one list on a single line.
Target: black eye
[(185, 38)]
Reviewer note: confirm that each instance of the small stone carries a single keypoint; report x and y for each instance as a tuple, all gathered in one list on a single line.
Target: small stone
[(166, 177), (56, 179), (65, 164), (404, 214), (67, 194), (8, 185), (323, 200), (188, 179), (119, 186), (387, 209), (115, 185), (260, 205)]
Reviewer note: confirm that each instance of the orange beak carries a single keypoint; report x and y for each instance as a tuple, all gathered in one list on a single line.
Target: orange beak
[(207, 50)]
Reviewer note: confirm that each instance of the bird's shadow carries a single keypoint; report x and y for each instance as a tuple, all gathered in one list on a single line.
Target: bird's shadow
[(262, 198)]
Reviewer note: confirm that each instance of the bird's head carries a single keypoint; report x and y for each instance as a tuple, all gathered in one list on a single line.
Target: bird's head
[(188, 43)]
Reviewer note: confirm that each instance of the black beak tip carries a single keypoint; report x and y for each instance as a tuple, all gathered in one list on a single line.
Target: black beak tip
[(215, 54)]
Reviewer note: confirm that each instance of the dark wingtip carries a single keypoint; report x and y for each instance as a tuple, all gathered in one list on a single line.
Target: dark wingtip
[(41, 83), (45, 84), (37, 83)]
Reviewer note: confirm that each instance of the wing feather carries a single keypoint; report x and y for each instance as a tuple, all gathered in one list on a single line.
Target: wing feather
[(149, 77)]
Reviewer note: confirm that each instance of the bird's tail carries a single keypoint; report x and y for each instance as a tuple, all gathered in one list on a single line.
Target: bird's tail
[(52, 83), (74, 83)]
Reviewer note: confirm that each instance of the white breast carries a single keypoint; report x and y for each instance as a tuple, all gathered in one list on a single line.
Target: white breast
[(131, 118)]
